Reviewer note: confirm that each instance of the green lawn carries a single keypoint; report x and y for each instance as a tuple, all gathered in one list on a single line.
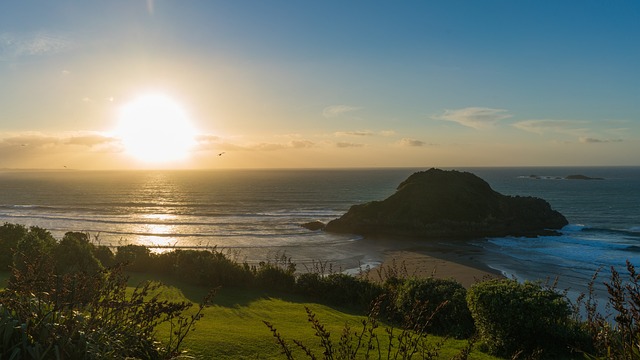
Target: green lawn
[(233, 328)]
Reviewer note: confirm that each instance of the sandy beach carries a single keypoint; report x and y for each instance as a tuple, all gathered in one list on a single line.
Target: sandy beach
[(458, 262)]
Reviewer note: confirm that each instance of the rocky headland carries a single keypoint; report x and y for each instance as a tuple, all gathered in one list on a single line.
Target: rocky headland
[(439, 204)]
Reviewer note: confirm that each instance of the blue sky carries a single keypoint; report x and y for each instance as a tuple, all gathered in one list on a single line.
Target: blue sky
[(328, 84)]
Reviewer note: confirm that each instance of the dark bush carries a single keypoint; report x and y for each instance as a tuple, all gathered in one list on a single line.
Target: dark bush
[(227, 272), (10, 235), (208, 268), (165, 263), (193, 266), (270, 276), (441, 302), (344, 289), (136, 257), (311, 284), (614, 334), (338, 289), (33, 259), (114, 324), (74, 253), (525, 317), (104, 255), (60, 303)]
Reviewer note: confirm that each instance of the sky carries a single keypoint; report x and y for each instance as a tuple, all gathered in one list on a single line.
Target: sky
[(206, 84)]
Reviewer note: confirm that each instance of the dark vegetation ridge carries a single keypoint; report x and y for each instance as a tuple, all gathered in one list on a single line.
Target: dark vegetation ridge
[(449, 204), (69, 299)]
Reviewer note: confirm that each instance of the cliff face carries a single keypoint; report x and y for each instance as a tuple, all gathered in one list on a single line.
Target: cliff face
[(449, 204)]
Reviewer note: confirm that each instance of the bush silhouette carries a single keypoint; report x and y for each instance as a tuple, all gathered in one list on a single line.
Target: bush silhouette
[(10, 235), (74, 253), (525, 317), (444, 300)]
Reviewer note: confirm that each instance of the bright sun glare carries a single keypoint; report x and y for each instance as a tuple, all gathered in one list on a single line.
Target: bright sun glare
[(155, 129)]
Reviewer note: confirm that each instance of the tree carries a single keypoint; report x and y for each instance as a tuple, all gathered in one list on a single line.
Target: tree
[(135, 257), (33, 259), (10, 235), (75, 253)]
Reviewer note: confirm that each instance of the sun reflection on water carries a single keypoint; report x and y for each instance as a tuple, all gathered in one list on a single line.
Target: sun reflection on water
[(157, 230)]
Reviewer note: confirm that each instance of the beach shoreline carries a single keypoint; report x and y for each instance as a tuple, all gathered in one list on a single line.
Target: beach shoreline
[(459, 261)]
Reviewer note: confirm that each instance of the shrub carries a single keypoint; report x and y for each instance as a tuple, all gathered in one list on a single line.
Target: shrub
[(104, 255), (74, 253), (33, 259), (310, 284), (135, 257), (270, 276), (10, 235), (338, 289), (514, 317), (445, 305), (114, 324), (207, 268), (343, 289), (165, 263), (620, 338)]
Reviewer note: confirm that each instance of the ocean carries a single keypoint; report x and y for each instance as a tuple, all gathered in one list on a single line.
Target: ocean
[(255, 215)]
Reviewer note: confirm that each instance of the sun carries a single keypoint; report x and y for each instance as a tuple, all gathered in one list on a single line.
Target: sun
[(154, 128)]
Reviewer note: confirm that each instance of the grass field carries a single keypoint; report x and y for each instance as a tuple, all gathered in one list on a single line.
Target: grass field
[(233, 328)]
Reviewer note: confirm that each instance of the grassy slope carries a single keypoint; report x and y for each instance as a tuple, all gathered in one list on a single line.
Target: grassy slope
[(233, 328)]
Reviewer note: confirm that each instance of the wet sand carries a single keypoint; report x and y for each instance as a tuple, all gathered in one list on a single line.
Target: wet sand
[(460, 262)]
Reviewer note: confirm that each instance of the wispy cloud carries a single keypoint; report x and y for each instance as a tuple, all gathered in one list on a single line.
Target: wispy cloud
[(409, 142), (348, 145), (474, 117), (211, 142), (337, 110), (89, 140), (580, 129), (302, 144), (294, 144), (591, 140), (34, 142), (14, 46), (384, 133), (354, 133), (568, 127)]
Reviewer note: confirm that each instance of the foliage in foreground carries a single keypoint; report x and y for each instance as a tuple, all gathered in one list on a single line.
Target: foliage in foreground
[(444, 300), (527, 318), (409, 341), (69, 307), (64, 297), (620, 338)]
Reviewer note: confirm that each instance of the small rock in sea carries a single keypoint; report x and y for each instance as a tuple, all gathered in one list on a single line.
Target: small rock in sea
[(313, 225), (582, 177)]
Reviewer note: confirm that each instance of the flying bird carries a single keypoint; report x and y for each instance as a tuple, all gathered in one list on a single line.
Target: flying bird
[(220, 154)]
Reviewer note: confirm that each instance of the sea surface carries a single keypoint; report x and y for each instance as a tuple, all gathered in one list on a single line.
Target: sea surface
[(255, 215)]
